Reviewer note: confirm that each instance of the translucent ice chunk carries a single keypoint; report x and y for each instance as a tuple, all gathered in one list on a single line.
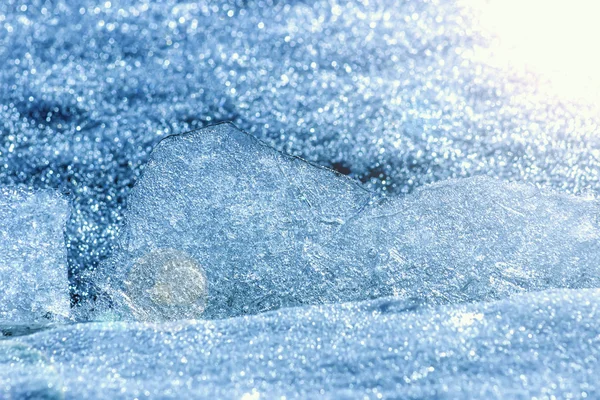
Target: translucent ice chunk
[(472, 239), (221, 225), (538, 345), (34, 285), (220, 203)]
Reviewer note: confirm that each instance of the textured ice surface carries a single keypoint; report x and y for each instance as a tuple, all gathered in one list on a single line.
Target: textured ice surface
[(268, 230), (27, 373), (387, 91), (471, 239), (394, 93), (540, 345), (247, 215), (34, 285)]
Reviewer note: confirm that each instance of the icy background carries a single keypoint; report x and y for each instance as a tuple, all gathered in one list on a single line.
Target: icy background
[(451, 286), (388, 92)]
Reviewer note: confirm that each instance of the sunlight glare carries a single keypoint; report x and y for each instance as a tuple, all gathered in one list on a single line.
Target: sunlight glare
[(556, 40)]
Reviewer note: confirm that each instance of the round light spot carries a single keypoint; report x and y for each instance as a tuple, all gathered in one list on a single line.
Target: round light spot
[(166, 284)]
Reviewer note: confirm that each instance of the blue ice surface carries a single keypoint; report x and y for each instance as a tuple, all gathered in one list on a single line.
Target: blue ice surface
[(389, 92), (222, 225), (538, 345)]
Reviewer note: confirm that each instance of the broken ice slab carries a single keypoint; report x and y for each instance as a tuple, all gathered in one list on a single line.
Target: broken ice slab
[(221, 225), (218, 205), (513, 348), (472, 239), (34, 285)]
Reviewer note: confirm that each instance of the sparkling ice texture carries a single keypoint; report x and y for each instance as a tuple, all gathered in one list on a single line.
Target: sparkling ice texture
[(390, 92), (34, 285), (423, 274), (271, 231), (538, 345)]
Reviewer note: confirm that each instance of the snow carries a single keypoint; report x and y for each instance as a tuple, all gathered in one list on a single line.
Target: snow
[(534, 345), (458, 259)]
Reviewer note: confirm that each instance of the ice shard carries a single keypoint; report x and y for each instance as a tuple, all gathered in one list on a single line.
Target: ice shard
[(34, 285), (221, 225), (472, 239), (218, 203)]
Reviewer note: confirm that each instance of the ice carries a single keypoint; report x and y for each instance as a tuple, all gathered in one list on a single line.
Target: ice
[(537, 345), (34, 285), (27, 373), (395, 94), (219, 202), (473, 239), (222, 225), (390, 92)]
